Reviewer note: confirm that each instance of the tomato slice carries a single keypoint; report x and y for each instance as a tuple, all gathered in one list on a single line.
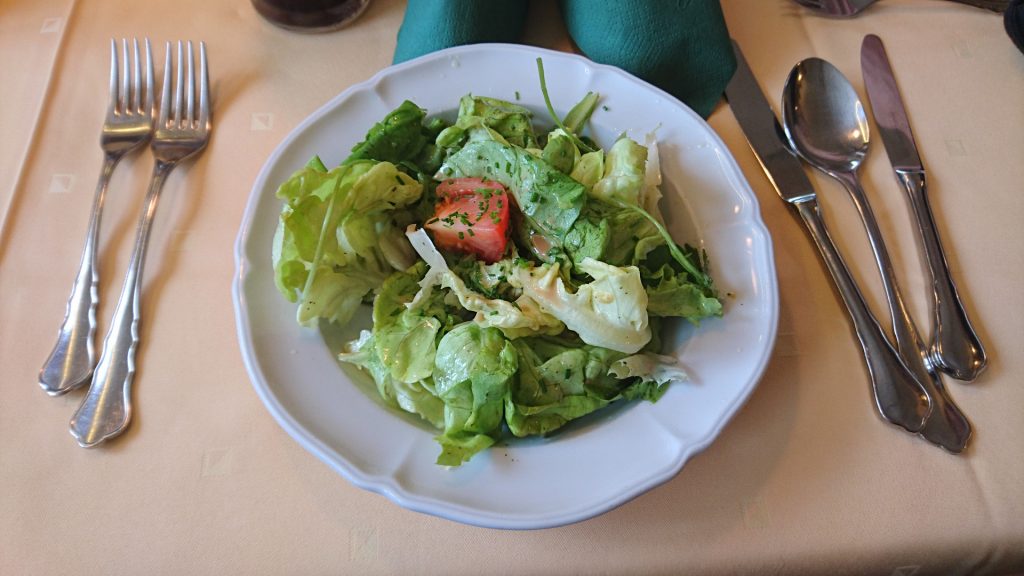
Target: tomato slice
[(471, 216)]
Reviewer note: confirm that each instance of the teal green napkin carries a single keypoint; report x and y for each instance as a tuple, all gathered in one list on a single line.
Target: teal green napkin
[(681, 46)]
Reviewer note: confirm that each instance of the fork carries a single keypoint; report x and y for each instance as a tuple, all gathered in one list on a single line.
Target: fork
[(182, 130), (849, 8), (128, 124)]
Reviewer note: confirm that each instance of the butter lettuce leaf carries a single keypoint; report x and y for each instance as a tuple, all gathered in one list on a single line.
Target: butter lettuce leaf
[(589, 169), (550, 388), (473, 368), (560, 151), (561, 379), (326, 252), (625, 171), (416, 397), (519, 318), (610, 311), (673, 292), (482, 118), (404, 339)]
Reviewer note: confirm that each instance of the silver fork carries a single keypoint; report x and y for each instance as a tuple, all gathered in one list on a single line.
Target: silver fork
[(182, 130), (849, 8), (128, 124)]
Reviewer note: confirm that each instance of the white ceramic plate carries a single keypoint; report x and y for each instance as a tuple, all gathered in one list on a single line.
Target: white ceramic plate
[(602, 460)]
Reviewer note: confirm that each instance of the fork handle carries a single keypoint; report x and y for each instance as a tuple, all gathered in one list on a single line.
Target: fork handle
[(106, 410), (70, 362), (956, 348)]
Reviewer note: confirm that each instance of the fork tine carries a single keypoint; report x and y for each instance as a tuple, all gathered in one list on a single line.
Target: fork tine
[(178, 89), (123, 102), (112, 105), (204, 89), (148, 111), (136, 78), (190, 90), (165, 95)]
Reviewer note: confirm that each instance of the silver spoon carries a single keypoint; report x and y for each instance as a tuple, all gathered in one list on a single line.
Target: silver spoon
[(825, 123)]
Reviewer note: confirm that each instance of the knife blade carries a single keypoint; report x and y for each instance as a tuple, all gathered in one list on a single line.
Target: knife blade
[(899, 397), (955, 347)]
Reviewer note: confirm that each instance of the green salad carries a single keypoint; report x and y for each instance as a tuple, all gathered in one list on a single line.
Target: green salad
[(518, 278)]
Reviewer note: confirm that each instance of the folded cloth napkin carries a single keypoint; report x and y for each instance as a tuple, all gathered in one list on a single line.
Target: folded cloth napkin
[(681, 46), (431, 25)]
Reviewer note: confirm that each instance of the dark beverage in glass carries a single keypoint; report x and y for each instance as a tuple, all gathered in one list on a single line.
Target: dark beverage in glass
[(310, 15)]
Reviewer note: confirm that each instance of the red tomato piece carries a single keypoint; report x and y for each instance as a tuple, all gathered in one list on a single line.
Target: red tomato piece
[(471, 216)]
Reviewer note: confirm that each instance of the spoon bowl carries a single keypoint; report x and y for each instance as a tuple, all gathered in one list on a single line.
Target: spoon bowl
[(824, 118)]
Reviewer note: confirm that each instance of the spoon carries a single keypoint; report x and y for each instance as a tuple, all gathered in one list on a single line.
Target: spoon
[(825, 123)]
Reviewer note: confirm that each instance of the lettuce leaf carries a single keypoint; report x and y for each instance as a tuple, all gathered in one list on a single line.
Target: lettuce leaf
[(399, 352), (589, 169), (673, 292), (549, 200), (551, 387), (404, 339), (416, 397), (560, 151), (561, 379), (490, 119), (653, 367), (611, 234), (402, 137), (625, 171), (610, 311), (327, 254), (472, 371), (519, 318)]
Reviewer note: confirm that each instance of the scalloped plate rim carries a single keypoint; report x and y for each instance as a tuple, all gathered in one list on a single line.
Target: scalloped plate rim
[(452, 510)]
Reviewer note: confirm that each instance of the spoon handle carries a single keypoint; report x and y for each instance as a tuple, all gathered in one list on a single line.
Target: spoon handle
[(900, 398), (947, 427), (955, 348)]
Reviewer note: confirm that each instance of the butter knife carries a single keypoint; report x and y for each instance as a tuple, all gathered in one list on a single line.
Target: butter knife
[(955, 347), (899, 397)]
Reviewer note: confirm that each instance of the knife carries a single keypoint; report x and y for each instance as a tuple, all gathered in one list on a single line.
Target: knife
[(955, 347), (899, 397)]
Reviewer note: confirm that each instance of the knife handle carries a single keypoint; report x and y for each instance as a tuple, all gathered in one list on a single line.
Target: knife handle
[(900, 398), (955, 347)]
